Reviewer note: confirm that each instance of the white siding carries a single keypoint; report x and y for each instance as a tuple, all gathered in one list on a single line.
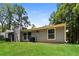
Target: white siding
[(60, 34), (40, 36)]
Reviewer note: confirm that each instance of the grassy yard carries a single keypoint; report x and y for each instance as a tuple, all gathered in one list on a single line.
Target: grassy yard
[(37, 49)]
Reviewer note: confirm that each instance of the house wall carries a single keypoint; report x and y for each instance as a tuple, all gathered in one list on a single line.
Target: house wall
[(3, 34), (60, 34), (42, 35)]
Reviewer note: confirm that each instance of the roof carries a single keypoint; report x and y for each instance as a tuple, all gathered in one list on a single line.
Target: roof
[(45, 27), (8, 31)]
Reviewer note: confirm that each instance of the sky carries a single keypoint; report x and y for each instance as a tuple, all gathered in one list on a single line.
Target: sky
[(39, 13)]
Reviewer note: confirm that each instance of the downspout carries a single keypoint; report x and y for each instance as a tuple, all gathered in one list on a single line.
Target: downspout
[(65, 32)]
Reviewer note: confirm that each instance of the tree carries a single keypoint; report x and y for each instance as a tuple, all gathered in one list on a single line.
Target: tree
[(12, 15), (2, 18), (33, 26), (51, 19), (21, 16), (68, 13), (8, 9)]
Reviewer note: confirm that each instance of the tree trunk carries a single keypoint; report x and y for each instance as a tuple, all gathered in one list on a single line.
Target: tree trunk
[(9, 24), (2, 28), (77, 21)]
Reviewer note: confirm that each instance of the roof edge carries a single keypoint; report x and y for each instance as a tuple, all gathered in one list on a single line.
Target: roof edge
[(45, 27)]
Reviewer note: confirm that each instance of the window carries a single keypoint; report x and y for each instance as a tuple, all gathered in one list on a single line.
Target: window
[(29, 35), (51, 34), (37, 31), (25, 37)]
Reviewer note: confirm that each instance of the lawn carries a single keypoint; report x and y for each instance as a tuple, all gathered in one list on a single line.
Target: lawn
[(37, 49)]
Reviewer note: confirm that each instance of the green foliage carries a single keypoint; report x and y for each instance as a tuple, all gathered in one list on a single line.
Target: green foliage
[(12, 15), (33, 26), (8, 9), (22, 18), (68, 13)]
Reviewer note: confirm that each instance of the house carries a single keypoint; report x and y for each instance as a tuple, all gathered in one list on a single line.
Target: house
[(49, 33)]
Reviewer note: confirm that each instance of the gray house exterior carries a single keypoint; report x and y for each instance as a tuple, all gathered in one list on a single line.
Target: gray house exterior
[(50, 33)]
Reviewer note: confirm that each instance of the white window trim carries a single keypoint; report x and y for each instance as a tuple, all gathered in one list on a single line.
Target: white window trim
[(54, 34), (26, 37)]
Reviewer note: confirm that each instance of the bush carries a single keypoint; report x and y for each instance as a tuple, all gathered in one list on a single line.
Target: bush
[(7, 39), (2, 38)]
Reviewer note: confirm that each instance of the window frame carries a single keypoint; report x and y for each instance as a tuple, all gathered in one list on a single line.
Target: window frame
[(25, 36), (51, 33)]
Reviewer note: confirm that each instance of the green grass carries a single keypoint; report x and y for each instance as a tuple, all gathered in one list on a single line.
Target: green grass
[(38, 49)]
